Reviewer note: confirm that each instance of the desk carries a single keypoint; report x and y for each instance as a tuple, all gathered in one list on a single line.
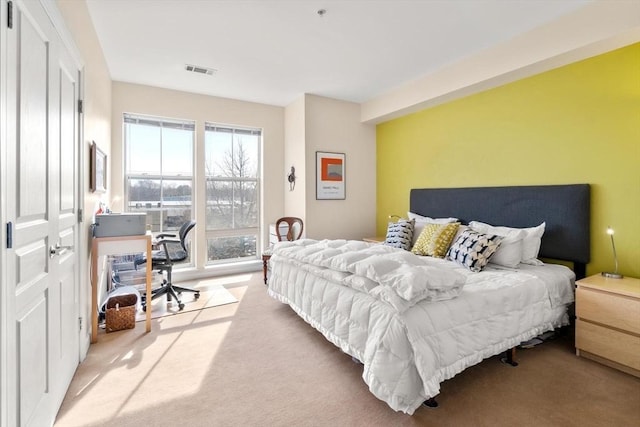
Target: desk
[(101, 246)]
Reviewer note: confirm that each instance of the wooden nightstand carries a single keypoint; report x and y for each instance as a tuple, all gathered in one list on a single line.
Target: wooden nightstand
[(608, 322), (377, 239)]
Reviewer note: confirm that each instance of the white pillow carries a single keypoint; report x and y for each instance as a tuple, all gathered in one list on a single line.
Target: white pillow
[(421, 221), (530, 243), (461, 229), (429, 220), (509, 253)]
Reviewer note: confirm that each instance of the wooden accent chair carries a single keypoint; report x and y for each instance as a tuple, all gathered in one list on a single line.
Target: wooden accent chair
[(293, 232)]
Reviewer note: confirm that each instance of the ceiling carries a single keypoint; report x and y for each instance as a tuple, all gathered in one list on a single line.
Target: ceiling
[(272, 52)]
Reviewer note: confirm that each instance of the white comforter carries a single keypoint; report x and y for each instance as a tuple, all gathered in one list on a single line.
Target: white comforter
[(393, 276), (409, 349)]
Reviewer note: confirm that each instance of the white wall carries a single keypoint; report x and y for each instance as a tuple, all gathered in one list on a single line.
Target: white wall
[(133, 98), (294, 155), (335, 126), (291, 137), (97, 126)]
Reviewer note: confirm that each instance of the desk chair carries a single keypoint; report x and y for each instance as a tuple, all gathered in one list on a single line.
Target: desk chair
[(173, 251), (294, 232)]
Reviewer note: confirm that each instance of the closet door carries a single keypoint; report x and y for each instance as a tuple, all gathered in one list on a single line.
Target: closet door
[(42, 192), (64, 144)]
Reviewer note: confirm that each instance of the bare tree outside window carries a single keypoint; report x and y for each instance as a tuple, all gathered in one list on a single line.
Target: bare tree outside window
[(231, 165)]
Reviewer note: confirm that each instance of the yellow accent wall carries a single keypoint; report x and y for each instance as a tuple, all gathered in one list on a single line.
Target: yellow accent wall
[(575, 124)]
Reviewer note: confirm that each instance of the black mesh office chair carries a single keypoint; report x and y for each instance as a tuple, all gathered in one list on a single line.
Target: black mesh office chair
[(173, 251)]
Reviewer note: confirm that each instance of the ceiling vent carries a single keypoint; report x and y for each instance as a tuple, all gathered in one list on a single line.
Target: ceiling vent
[(200, 70)]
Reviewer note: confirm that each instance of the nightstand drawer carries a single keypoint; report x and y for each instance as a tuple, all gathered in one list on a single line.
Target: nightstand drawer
[(618, 311), (608, 343)]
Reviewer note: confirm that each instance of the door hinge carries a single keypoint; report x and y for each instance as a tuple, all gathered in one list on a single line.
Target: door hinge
[(80, 215), (9, 235), (80, 106), (10, 14), (80, 323)]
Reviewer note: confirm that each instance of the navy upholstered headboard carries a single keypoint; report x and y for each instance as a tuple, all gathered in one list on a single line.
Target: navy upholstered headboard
[(564, 208)]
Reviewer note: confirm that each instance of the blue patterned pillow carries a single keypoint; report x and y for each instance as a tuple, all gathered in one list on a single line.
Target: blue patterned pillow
[(473, 250), (400, 234)]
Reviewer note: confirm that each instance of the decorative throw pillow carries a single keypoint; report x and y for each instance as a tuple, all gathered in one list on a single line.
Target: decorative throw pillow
[(399, 234), (509, 254), (422, 221), (473, 250), (531, 240), (434, 240)]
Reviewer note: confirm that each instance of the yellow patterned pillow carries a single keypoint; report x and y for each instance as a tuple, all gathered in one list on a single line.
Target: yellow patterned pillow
[(435, 239)]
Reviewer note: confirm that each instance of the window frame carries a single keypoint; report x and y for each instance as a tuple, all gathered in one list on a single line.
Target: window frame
[(169, 123), (211, 234)]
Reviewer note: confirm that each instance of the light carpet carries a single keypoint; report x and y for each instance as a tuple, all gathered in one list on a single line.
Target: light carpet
[(256, 363), (212, 294)]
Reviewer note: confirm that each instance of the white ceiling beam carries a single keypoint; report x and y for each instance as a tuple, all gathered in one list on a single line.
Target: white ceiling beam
[(600, 27)]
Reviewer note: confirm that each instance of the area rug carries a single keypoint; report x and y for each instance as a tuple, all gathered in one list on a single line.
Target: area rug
[(211, 295)]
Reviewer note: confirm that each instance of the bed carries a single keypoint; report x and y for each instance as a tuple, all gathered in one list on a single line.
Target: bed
[(416, 321)]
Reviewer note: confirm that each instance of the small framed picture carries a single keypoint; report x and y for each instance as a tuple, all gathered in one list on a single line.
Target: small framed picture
[(98, 169), (330, 176)]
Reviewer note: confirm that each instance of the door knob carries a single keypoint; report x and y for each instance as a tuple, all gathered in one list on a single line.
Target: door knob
[(58, 250)]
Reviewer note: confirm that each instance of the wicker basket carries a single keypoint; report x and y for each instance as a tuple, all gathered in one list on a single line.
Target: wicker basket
[(121, 312)]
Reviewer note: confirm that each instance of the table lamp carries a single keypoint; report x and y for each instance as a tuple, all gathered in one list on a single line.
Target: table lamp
[(615, 274)]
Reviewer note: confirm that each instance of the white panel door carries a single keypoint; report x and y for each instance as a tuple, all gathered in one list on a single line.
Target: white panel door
[(64, 144), (42, 192)]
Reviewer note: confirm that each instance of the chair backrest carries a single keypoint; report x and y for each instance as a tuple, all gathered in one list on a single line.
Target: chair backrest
[(172, 251), (294, 231), (184, 231)]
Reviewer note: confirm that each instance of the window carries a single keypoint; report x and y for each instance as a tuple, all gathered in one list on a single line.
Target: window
[(159, 170), (232, 160)]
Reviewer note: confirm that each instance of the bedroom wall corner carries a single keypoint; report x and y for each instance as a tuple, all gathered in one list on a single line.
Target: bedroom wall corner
[(142, 99), (574, 124), (334, 126), (294, 155)]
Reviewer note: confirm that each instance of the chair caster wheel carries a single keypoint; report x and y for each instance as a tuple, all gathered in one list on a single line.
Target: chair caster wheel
[(144, 308), (181, 306), (196, 295)]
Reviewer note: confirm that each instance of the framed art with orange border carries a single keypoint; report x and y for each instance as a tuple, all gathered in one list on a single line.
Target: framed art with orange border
[(330, 176)]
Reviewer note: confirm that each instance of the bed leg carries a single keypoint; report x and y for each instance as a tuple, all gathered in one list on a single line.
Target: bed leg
[(510, 357), (431, 403)]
